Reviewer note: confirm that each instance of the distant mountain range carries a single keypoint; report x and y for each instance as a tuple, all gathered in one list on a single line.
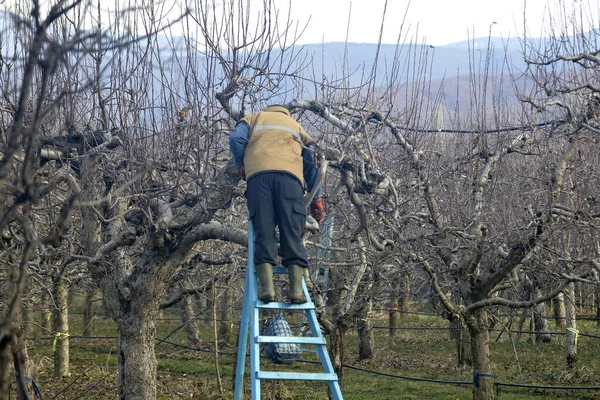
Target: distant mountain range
[(447, 69), (451, 60)]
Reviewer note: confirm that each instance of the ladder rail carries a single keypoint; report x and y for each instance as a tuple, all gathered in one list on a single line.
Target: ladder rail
[(249, 325), (334, 386), (245, 320)]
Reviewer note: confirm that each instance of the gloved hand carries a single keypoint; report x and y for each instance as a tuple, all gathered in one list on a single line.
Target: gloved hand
[(242, 173), (317, 210)]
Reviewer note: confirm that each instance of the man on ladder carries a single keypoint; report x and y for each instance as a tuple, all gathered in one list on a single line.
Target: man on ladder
[(273, 153)]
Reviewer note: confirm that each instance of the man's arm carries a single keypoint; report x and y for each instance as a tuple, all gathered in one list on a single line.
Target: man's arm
[(238, 140), (309, 170)]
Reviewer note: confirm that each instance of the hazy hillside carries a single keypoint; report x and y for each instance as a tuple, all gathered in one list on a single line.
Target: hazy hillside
[(447, 67), (445, 61)]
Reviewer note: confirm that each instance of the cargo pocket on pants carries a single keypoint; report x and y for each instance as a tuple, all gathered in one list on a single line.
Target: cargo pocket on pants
[(299, 214)]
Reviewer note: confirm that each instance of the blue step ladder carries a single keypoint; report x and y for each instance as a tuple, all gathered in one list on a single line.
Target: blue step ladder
[(249, 325)]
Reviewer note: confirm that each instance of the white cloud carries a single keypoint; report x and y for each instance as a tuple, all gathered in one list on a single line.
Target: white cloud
[(435, 22)]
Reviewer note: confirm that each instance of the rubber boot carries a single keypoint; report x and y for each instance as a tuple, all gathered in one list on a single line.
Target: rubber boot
[(295, 274), (266, 290)]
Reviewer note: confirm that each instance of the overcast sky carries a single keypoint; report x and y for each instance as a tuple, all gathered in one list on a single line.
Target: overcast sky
[(435, 22)]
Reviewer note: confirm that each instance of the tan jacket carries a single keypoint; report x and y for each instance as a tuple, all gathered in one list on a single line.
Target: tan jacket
[(275, 143)]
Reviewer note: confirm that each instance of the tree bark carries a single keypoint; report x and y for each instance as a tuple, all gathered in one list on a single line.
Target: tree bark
[(558, 305), (45, 312), (522, 318), (597, 304), (5, 361), (137, 360), (336, 346), (466, 357), (89, 312), (61, 329), (190, 323), (542, 332), (365, 332), (404, 295), (225, 316), (394, 316), (571, 326), (400, 303), (483, 380)]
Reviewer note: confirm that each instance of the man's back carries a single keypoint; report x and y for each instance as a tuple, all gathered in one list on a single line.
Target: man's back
[(275, 143)]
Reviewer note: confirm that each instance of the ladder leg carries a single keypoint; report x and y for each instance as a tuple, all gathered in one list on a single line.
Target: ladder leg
[(311, 315), (250, 325), (243, 338), (250, 297), (254, 345)]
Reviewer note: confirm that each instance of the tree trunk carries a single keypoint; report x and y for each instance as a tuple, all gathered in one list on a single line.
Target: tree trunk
[(597, 301), (394, 316), (365, 332), (45, 312), (20, 349), (28, 325), (202, 304), (522, 319), (190, 322), (454, 328), (463, 341), (137, 361), (483, 380), (542, 332), (558, 305), (571, 326), (404, 295), (225, 317), (19, 346), (579, 296), (336, 346), (5, 361), (89, 312), (91, 236), (61, 329)]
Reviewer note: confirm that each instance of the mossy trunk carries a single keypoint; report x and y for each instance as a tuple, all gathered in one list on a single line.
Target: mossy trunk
[(137, 360), (336, 350), (394, 316), (89, 312), (5, 360), (571, 326), (404, 295), (45, 312), (190, 322), (365, 333), (542, 331), (483, 380), (558, 306), (60, 345), (225, 317), (597, 304), (19, 347)]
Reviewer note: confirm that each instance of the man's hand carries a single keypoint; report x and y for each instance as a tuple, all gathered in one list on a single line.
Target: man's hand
[(242, 173), (317, 211)]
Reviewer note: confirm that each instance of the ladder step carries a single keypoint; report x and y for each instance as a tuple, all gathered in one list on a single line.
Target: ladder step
[(280, 270), (291, 339), (285, 306), (296, 376)]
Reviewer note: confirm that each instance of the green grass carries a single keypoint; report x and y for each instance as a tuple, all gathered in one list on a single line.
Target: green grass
[(188, 374)]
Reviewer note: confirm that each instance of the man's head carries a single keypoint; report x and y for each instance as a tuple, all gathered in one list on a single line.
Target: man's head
[(277, 108)]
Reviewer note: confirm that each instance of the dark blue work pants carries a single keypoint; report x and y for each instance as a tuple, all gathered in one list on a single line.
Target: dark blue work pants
[(275, 199)]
